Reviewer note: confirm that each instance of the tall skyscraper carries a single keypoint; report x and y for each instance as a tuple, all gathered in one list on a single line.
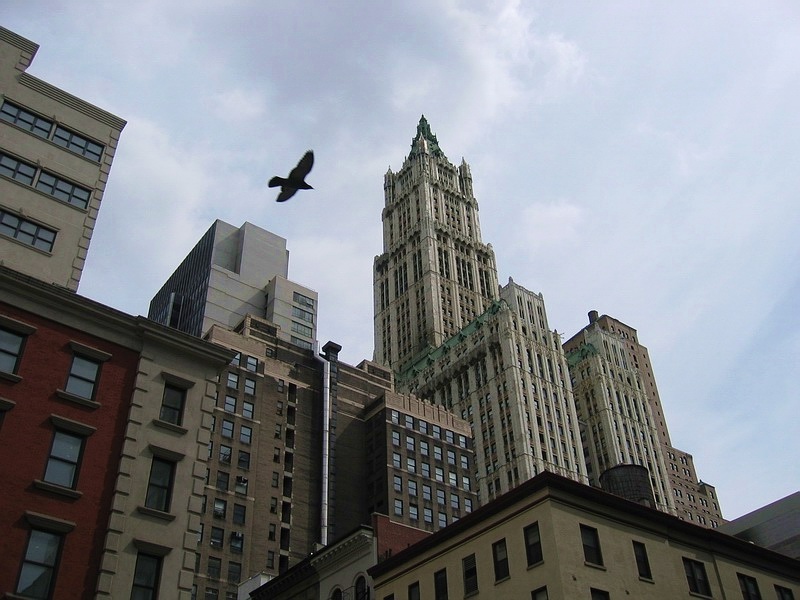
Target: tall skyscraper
[(619, 405), (454, 337), (233, 272), (435, 274), (55, 157)]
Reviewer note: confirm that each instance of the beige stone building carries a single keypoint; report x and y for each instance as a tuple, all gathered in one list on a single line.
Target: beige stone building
[(618, 402), (455, 338), (552, 538), (56, 152)]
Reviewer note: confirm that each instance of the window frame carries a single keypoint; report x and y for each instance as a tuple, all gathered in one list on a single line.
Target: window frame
[(440, 585), (642, 560), (169, 412), (469, 568), (155, 501), (28, 563), (696, 576), (533, 548), (14, 354), (500, 560), (590, 540), (152, 588), (82, 379), (53, 459)]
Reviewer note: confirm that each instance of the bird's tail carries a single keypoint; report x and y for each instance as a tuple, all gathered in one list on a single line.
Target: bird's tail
[(276, 182)]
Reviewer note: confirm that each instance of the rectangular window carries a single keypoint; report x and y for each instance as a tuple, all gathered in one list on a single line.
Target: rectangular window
[(230, 404), (38, 574), (412, 488), (251, 364), (413, 591), (539, 594), (303, 300), (239, 513), (413, 512), (172, 404), (396, 460), (696, 577), (411, 464), (303, 315), (442, 519), (17, 169), (223, 480), (233, 380), (467, 505), (427, 514), (642, 562), (227, 428), (302, 329), (398, 507), (237, 542), (83, 376), (146, 577), (245, 434), (11, 344), (234, 572), (63, 190), (240, 487), (250, 386), (214, 567), (426, 492), (591, 545), (220, 508), (395, 438), (423, 447), (533, 544), (500, 558), (244, 459), (410, 443), (25, 119), (440, 497), (64, 461), (217, 538), (596, 594), (398, 483), (159, 486), (749, 587), (248, 409), (225, 454), (470, 574), (784, 593), (440, 585), (77, 143), (27, 232)]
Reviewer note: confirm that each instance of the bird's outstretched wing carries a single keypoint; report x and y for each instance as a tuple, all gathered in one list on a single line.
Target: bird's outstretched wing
[(286, 193), (303, 167)]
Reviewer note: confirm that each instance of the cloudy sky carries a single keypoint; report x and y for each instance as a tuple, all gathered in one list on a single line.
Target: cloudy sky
[(637, 158)]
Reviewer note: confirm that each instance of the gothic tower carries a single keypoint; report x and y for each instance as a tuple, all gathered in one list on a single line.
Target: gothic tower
[(435, 274)]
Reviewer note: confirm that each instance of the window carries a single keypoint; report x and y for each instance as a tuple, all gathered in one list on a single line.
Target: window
[(539, 594), (398, 507), (467, 505), (464, 461), (427, 514), (413, 591), (146, 577), (26, 231), (442, 519), (500, 558), (10, 350), (65, 456), (239, 512), (37, 576), (217, 537), (412, 488), (245, 434), (599, 594), (749, 587), (533, 544), (225, 454), (237, 542), (233, 380), (409, 421), (470, 574), (240, 487), (83, 376), (303, 300), (454, 501), (251, 364), (395, 438), (440, 497), (437, 452), (784, 593), (227, 428), (696, 577), (248, 409), (440, 585), (212, 594), (220, 508), (244, 459), (230, 404), (439, 473), (411, 464), (302, 329), (172, 404), (77, 144), (17, 170), (426, 492), (63, 190), (413, 512), (234, 572), (591, 545), (398, 483), (642, 562), (410, 443), (214, 567), (250, 386), (451, 457), (26, 120), (423, 447), (159, 486), (396, 460), (303, 315), (223, 480)]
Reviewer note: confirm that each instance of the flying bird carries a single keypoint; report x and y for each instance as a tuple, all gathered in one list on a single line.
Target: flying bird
[(296, 180)]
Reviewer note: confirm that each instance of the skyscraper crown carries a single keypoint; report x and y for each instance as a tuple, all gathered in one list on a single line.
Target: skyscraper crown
[(425, 141)]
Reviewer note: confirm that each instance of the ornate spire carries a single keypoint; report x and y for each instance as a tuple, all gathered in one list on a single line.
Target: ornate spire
[(425, 141)]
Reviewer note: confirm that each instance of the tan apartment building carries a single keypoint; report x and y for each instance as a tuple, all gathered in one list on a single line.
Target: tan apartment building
[(56, 152), (553, 538), (620, 408)]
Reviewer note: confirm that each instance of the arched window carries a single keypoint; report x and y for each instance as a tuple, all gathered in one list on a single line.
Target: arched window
[(362, 591), (336, 595)]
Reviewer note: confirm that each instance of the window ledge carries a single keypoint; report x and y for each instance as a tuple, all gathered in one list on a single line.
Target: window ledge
[(502, 579), (158, 514), (170, 426), (78, 399), (6, 404), (13, 378), (699, 595), (536, 564), (594, 565), (646, 579), (57, 489)]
